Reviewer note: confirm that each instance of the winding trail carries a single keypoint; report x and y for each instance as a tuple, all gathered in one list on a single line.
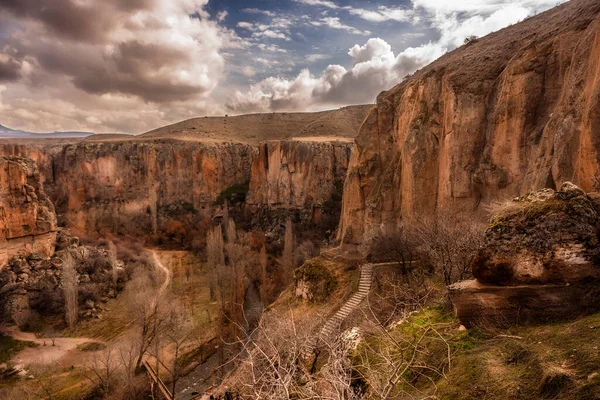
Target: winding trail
[(165, 270)]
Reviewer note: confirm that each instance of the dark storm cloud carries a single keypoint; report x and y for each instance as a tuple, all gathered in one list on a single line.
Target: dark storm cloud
[(151, 49), (9, 70), (72, 20)]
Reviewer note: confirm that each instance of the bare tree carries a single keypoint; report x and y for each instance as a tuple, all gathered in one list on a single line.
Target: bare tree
[(263, 261), (288, 250), (127, 357), (393, 363), (70, 290), (143, 308), (101, 369), (450, 241), (154, 205), (230, 232), (176, 332), (215, 257), (112, 257)]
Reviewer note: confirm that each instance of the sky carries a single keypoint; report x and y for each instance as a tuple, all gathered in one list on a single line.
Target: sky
[(133, 65)]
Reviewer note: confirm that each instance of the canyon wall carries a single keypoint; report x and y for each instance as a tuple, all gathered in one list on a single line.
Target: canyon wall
[(509, 113), (298, 174), (27, 217), (109, 185), (135, 186)]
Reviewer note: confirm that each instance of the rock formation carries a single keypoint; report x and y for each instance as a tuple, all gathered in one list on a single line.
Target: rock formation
[(31, 283), (501, 116), (27, 217), (540, 261), (298, 174)]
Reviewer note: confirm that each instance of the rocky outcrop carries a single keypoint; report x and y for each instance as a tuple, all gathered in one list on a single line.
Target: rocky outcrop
[(501, 116), (540, 261), (298, 174), (31, 283), (27, 217)]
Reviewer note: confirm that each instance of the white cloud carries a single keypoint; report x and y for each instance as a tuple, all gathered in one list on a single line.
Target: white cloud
[(481, 6), (317, 57), (268, 33), (383, 13), (335, 23), (222, 15), (248, 71), (258, 11), (320, 3)]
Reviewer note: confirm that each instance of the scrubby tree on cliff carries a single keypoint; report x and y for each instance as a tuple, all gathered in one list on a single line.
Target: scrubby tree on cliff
[(263, 261), (215, 257), (70, 290), (288, 250)]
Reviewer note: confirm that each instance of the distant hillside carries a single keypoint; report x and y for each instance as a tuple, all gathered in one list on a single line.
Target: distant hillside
[(17, 134), (254, 128)]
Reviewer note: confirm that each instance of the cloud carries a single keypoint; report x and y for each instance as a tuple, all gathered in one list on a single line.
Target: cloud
[(383, 13), (152, 49), (335, 23), (10, 70), (481, 6), (258, 11), (320, 3)]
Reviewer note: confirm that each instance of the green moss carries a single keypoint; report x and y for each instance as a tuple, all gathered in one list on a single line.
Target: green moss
[(9, 347), (91, 346), (322, 282), (235, 194)]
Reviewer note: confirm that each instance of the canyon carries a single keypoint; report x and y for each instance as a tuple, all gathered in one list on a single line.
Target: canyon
[(111, 183)]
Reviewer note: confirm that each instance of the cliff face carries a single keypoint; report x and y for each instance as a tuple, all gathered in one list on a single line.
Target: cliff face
[(27, 217), (512, 112), (101, 185), (298, 174)]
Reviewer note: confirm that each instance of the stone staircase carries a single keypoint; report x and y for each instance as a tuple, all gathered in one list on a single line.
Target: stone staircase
[(332, 324)]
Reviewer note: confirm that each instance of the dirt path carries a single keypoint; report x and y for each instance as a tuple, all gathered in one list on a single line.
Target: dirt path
[(166, 271), (63, 352)]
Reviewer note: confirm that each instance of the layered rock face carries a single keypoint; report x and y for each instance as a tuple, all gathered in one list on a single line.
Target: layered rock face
[(298, 174), (27, 217), (99, 185), (540, 261), (512, 112)]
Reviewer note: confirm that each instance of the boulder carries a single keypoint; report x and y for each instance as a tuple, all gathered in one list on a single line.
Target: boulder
[(540, 261), (544, 237)]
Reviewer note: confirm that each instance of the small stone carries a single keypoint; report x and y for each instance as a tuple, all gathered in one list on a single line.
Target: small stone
[(462, 328)]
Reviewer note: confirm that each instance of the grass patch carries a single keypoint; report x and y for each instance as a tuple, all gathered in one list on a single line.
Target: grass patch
[(91, 346), (9, 347)]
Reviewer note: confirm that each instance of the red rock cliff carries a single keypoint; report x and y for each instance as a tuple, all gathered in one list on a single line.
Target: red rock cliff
[(27, 217), (298, 173), (514, 111), (101, 185)]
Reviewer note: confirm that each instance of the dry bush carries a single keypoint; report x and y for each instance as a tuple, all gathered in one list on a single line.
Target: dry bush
[(450, 242)]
